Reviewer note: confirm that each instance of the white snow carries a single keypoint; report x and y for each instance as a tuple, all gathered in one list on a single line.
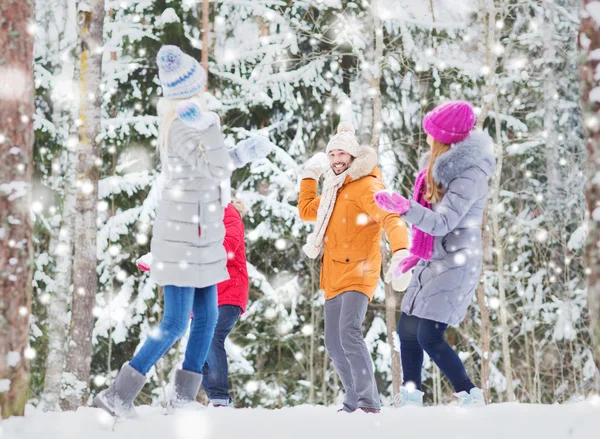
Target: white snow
[(498, 421), (169, 16), (4, 387), (593, 9), (13, 358)]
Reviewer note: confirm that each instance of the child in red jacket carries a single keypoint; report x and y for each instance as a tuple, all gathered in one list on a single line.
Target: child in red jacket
[(232, 297)]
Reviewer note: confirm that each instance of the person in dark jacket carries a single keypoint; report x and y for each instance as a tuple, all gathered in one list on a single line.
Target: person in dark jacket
[(233, 297)]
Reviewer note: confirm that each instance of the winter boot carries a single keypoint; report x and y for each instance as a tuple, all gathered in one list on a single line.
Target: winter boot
[(370, 410), (185, 388), (472, 399), (221, 403), (118, 399), (409, 397)]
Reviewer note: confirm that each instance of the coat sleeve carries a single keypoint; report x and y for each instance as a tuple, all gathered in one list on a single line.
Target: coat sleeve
[(394, 226), (461, 194), (202, 149), (308, 202), (234, 230)]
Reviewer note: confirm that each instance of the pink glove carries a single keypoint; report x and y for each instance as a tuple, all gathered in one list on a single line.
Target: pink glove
[(406, 264), (392, 202)]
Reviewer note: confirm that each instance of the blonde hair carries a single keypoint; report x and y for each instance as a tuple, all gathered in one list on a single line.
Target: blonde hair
[(166, 110), (434, 190)]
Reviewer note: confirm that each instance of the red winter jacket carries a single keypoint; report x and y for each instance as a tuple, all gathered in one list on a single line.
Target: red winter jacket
[(234, 291)]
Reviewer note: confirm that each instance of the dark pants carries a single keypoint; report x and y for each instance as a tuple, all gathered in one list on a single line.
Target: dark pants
[(418, 335), (215, 374)]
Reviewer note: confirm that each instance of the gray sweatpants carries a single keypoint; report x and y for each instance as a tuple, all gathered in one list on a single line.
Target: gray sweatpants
[(344, 316)]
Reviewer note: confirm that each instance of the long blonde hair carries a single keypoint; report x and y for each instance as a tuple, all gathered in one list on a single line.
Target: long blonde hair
[(166, 110), (434, 190)]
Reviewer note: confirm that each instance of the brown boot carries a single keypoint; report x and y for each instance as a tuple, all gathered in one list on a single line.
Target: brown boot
[(370, 410)]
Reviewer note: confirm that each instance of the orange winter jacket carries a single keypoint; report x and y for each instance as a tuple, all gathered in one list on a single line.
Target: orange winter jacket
[(352, 256)]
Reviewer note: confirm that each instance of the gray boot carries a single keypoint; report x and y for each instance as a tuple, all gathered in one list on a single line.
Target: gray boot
[(118, 399), (185, 388)]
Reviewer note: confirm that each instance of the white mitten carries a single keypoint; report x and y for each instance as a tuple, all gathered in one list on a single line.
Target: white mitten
[(145, 262), (250, 149), (315, 166), (398, 283), (190, 112)]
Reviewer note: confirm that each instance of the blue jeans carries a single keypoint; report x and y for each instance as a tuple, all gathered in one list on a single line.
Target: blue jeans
[(214, 373), (417, 334), (179, 303)]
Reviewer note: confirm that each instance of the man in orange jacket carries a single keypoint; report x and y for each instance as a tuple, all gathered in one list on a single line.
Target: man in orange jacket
[(348, 231)]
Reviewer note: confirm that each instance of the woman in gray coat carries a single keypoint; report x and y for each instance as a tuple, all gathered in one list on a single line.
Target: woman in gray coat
[(189, 258), (446, 274)]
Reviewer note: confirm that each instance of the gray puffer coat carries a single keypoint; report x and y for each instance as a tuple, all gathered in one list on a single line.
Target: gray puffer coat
[(442, 288), (188, 232)]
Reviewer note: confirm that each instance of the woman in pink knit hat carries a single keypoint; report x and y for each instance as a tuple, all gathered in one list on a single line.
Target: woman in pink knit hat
[(446, 213)]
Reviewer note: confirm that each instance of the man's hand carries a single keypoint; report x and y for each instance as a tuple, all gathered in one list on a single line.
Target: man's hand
[(316, 166)]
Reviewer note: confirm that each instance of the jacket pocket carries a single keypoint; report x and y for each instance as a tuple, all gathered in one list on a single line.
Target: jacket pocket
[(348, 267)]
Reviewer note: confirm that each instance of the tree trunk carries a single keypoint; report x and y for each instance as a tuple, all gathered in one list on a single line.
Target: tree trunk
[(484, 314), (484, 311), (376, 80), (61, 246), (390, 323), (85, 278), (16, 250), (205, 37), (57, 308), (492, 96), (589, 42)]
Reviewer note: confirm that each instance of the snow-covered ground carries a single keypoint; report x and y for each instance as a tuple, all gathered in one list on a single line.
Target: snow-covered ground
[(507, 421)]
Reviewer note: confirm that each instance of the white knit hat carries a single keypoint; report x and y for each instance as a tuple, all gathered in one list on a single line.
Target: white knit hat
[(181, 76), (344, 140)]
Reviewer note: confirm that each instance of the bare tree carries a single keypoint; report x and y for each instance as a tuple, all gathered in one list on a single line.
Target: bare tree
[(61, 241), (205, 36), (589, 43), (492, 98), (85, 278), (390, 294), (16, 250)]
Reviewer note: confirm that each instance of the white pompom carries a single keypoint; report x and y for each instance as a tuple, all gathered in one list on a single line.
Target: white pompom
[(345, 127)]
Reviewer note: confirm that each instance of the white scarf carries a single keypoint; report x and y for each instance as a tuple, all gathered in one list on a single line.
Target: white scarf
[(331, 185)]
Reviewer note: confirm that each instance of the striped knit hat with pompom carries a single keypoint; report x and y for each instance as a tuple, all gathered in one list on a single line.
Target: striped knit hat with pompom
[(344, 140), (181, 76)]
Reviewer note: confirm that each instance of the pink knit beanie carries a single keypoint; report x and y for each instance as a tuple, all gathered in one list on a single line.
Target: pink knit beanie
[(450, 122)]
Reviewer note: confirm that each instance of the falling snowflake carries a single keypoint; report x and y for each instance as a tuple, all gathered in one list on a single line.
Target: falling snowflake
[(362, 219), (494, 303), (541, 235), (29, 353), (307, 330)]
